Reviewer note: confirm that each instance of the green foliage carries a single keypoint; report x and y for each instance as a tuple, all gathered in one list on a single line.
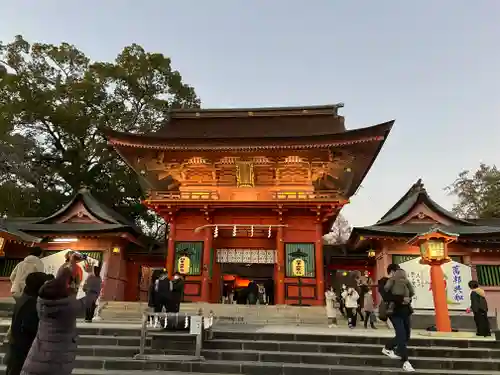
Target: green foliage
[(478, 193), (54, 101)]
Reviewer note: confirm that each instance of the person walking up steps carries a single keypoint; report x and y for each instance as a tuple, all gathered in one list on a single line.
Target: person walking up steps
[(331, 312), (396, 348)]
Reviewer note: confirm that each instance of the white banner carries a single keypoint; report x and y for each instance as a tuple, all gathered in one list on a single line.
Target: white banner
[(247, 256), (456, 276), (53, 262)]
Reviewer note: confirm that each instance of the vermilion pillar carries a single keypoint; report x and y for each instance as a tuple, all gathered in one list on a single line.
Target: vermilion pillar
[(280, 268), (443, 323), (320, 267), (171, 249), (207, 248)]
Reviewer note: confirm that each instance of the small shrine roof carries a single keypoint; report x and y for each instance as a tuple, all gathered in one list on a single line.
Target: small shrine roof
[(414, 229), (14, 233), (417, 194), (392, 223), (110, 220)]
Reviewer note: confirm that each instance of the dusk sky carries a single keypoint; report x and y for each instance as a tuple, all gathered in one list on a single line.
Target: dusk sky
[(432, 65)]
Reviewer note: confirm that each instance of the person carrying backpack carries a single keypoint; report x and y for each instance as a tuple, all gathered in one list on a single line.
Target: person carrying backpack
[(397, 347)]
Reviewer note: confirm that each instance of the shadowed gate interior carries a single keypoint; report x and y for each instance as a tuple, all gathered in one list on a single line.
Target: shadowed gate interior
[(237, 276)]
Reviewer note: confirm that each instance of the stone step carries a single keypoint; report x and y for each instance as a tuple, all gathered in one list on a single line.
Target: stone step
[(356, 338), (343, 348), (344, 359), (96, 365), (80, 371)]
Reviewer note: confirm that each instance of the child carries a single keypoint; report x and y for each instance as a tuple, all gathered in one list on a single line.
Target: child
[(331, 313), (351, 297), (369, 308), (479, 307), (400, 288)]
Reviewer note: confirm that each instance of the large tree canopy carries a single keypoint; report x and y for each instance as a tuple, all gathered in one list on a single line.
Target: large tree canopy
[(54, 101), (477, 193)]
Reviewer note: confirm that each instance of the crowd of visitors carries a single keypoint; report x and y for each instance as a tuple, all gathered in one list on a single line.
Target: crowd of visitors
[(395, 309), (42, 338)]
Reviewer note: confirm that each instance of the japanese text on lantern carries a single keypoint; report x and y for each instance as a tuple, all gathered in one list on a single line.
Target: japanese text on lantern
[(183, 265), (458, 293), (416, 280)]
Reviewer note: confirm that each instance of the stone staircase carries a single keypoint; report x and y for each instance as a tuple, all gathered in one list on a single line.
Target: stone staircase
[(242, 314), (109, 349), (282, 314)]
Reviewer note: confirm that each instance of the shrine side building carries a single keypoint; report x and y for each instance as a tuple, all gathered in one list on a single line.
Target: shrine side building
[(477, 245), (247, 192)]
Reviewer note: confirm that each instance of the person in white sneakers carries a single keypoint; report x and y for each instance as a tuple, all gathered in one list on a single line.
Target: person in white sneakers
[(397, 348), (351, 298)]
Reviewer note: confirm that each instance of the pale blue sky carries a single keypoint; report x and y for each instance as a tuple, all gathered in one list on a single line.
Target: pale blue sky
[(433, 65)]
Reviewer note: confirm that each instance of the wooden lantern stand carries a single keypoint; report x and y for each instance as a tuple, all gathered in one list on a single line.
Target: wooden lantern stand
[(434, 251)]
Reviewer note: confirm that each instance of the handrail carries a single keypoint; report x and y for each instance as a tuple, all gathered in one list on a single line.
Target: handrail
[(196, 323)]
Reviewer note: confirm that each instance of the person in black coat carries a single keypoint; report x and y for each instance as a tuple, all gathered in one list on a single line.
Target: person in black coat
[(177, 293), (24, 323), (479, 307)]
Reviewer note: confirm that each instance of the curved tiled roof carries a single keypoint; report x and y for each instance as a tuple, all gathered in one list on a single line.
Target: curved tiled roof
[(415, 195), (256, 142)]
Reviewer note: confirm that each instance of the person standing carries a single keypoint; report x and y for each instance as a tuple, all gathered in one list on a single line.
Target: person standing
[(369, 307), (24, 323), (54, 348), (32, 263), (331, 312), (252, 292), (479, 307), (351, 298), (162, 293), (177, 293), (342, 301), (397, 347), (93, 282), (71, 262), (269, 287)]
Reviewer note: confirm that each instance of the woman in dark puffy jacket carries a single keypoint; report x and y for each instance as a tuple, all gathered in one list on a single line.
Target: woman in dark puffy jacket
[(24, 323), (54, 349)]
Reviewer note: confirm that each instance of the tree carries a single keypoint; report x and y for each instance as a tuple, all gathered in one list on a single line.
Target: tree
[(54, 101), (340, 232), (477, 193)]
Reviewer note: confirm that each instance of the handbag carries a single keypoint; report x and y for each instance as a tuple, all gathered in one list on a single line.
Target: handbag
[(382, 311)]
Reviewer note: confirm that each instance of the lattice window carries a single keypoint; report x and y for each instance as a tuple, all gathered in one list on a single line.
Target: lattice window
[(488, 275), (7, 266)]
